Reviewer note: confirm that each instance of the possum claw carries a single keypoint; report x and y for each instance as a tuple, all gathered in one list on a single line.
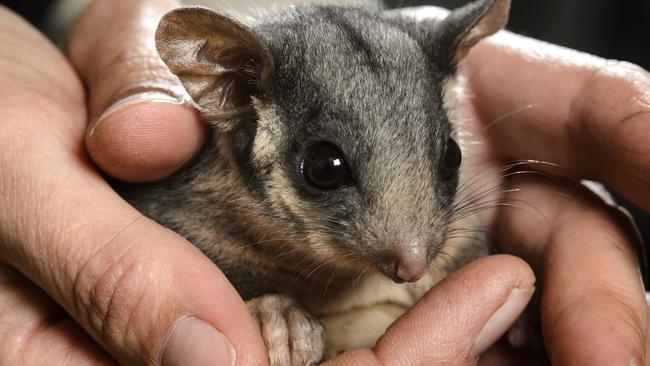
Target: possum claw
[(292, 336)]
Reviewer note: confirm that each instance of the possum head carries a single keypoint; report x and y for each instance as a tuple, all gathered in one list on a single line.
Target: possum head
[(337, 122)]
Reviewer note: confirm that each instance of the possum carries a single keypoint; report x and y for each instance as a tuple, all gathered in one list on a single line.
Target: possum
[(327, 187)]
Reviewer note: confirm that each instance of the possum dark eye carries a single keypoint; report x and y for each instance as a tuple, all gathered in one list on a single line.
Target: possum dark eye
[(451, 160), (324, 167)]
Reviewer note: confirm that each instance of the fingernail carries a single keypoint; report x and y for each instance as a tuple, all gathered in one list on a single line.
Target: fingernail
[(145, 97), (196, 343), (502, 320)]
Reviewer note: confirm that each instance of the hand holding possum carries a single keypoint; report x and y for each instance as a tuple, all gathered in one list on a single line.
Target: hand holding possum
[(132, 291), (496, 104)]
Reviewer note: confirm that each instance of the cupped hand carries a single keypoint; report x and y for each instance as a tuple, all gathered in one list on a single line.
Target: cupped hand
[(85, 278), (565, 116)]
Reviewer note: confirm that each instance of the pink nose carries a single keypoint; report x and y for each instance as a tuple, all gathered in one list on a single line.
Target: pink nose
[(410, 268)]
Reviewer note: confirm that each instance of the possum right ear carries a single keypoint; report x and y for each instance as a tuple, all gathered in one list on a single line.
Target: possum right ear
[(449, 37), (218, 60), (465, 27)]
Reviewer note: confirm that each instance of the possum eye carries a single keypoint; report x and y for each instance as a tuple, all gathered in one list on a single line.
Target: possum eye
[(325, 168), (451, 160)]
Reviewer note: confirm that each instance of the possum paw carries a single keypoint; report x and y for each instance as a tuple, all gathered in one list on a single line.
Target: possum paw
[(292, 336)]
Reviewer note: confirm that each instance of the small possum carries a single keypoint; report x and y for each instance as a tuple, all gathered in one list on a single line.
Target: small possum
[(326, 189)]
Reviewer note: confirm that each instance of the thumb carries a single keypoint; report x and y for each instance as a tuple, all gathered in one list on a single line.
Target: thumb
[(143, 293), (142, 127), (458, 320)]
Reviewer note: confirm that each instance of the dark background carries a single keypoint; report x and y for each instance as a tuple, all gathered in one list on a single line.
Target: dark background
[(616, 29)]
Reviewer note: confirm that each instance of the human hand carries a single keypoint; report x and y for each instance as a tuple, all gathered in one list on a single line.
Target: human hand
[(535, 120), (586, 118), (575, 308), (86, 279)]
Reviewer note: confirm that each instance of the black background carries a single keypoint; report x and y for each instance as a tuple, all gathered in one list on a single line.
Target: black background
[(616, 29)]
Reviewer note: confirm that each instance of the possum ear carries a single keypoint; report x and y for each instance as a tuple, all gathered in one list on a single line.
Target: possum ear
[(220, 62), (448, 36), (463, 28)]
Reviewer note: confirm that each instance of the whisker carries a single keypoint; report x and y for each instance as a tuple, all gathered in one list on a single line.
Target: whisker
[(509, 114)]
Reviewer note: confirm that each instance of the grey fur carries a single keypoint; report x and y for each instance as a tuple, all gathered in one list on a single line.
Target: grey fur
[(372, 83)]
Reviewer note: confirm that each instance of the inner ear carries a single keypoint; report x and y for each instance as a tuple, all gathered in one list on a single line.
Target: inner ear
[(218, 60), (463, 28)]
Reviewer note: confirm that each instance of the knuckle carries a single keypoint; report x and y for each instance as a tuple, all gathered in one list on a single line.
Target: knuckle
[(114, 296), (636, 323), (625, 84), (130, 73), (614, 309), (631, 319)]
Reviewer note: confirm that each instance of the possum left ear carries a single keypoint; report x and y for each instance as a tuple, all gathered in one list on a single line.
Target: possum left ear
[(219, 61), (463, 28)]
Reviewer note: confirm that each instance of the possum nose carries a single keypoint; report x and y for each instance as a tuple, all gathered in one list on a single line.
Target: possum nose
[(410, 266)]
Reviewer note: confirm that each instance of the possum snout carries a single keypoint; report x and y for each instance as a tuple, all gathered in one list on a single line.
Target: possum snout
[(411, 265), (406, 262)]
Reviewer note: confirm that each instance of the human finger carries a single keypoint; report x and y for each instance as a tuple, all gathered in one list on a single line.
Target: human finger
[(586, 114), (593, 307), (36, 331), (140, 291), (143, 126), (457, 320)]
